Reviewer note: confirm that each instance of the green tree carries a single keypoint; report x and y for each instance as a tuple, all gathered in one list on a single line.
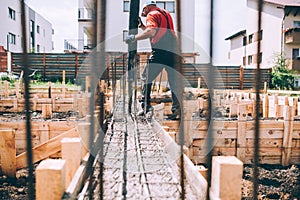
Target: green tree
[(281, 77)]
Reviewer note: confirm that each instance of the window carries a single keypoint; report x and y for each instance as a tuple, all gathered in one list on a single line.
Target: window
[(250, 60), (244, 60), (126, 6), (170, 6), (11, 14), (38, 29), (295, 53), (38, 48), (297, 24), (11, 38), (167, 5), (244, 40), (250, 40), (32, 36)]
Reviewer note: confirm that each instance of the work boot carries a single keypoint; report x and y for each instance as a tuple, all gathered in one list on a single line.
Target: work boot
[(175, 115), (143, 112)]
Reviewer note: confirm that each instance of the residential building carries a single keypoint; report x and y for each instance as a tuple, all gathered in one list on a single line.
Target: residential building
[(39, 30), (117, 19), (279, 33)]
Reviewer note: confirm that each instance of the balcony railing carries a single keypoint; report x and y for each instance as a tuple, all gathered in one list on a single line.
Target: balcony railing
[(85, 14), (77, 45), (292, 36)]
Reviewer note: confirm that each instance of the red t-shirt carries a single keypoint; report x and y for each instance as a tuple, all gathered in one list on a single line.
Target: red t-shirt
[(157, 20)]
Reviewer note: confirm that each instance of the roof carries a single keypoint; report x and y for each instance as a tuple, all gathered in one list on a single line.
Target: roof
[(236, 35), (284, 2)]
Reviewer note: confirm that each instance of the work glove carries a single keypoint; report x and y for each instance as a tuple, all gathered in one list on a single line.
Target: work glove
[(129, 39)]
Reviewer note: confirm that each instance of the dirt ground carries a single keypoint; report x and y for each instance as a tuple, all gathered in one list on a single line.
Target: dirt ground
[(275, 182)]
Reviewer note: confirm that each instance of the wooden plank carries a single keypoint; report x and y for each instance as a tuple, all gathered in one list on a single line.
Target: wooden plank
[(8, 152), (6, 92), (295, 160), (202, 151), (296, 126), (274, 124), (266, 106), (273, 160), (71, 153), (264, 151), (295, 152), (50, 179), (218, 134), (22, 144), (173, 125), (46, 149), (241, 133), (44, 132), (79, 178), (296, 143), (202, 125), (227, 172), (287, 135), (46, 111), (273, 143), (219, 142)]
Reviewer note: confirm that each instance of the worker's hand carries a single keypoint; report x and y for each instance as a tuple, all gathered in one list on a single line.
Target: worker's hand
[(140, 23), (130, 39)]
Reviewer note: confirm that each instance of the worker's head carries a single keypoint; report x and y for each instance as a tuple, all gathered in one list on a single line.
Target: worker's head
[(147, 7)]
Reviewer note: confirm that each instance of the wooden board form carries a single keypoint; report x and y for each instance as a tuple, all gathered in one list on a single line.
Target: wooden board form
[(52, 129), (225, 142)]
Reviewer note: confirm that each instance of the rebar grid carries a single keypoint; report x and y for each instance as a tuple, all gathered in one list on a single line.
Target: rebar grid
[(151, 173)]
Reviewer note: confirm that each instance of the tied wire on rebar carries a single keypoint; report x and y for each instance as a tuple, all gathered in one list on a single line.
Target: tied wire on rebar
[(26, 66)]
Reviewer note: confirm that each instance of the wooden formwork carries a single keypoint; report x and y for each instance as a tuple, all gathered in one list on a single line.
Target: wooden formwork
[(235, 138), (233, 133), (43, 136), (41, 131)]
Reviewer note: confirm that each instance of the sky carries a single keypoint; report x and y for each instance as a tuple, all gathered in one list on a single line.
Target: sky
[(229, 19), (62, 14)]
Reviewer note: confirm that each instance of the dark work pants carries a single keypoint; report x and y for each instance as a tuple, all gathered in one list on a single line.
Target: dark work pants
[(158, 61)]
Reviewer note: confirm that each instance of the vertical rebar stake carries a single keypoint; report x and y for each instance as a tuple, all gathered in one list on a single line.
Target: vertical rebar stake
[(257, 105), (25, 61)]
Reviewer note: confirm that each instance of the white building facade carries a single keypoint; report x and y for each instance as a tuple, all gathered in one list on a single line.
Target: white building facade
[(278, 16), (39, 30), (117, 20)]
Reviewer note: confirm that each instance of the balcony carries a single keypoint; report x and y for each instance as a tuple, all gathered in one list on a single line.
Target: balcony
[(77, 45), (292, 35), (85, 14), (295, 64)]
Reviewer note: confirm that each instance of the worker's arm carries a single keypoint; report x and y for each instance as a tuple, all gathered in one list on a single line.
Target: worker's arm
[(147, 33)]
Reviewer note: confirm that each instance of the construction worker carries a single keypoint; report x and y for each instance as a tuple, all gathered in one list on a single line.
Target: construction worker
[(160, 29)]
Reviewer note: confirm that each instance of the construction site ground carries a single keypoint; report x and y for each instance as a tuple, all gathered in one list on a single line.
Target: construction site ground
[(275, 181)]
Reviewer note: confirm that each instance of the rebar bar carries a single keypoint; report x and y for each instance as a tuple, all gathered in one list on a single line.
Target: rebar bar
[(25, 62)]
